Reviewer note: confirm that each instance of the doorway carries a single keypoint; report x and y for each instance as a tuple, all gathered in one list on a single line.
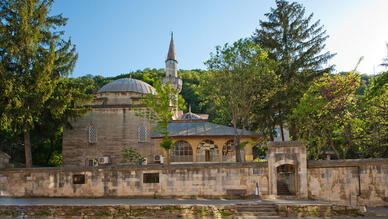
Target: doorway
[(286, 180)]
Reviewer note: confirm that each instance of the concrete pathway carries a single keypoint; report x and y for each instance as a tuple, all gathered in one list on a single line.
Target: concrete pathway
[(380, 211), (118, 201)]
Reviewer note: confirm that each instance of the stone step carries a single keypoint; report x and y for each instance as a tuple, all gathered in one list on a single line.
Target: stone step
[(260, 214), (255, 210)]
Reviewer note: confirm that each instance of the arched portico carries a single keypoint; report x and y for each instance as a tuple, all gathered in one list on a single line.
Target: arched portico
[(214, 146)]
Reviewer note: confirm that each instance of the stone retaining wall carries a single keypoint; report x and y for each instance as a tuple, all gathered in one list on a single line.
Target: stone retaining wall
[(349, 182), (186, 180), (352, 182)]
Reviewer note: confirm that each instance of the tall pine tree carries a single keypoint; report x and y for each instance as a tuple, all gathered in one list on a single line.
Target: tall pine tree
[(33, 58), (297, 43)]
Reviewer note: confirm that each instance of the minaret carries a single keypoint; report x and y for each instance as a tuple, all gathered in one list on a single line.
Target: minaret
[(172, 71)]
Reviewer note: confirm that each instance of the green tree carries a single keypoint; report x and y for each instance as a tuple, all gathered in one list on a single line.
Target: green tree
[(240, 75), (132, 156), (326, 114), (33, 57), (297, 43), (159, 110), (374, 117)]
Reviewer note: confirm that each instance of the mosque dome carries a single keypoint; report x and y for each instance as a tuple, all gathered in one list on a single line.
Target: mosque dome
[(127, 85)]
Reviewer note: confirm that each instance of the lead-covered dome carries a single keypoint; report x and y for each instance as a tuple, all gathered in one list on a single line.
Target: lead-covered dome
[(127, 85)]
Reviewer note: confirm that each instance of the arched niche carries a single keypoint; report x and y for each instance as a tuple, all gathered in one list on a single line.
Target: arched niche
[(207, 151)]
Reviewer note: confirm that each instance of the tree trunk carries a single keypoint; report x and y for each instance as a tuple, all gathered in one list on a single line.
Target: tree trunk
[(333, 148), (27, 149), (281, 131), (167, 161), (293, 132), (237, 147), (348, 136)]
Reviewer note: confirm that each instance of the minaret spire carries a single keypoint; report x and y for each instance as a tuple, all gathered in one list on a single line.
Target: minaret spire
[(172, 77), (171, 56)]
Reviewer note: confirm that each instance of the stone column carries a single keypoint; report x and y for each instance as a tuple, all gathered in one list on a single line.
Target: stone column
[(220, 143)]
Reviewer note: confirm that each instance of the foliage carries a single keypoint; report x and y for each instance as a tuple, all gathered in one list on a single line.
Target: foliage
[(159, 110), (166, 143), (297, 43), (132, 156), (374, 119), (33, 58), (326, 114), (56, 159), (240, 75)]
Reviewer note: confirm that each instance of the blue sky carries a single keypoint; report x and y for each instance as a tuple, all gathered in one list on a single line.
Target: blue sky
[(121, 36)]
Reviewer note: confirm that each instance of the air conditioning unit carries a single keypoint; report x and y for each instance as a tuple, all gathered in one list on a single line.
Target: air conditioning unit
[(159, 158), (92, 163), (104, 160)]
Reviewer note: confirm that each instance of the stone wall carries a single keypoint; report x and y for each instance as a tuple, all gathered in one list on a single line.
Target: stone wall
[(353, 182), (186, 180), (349, 182), (116, 129)]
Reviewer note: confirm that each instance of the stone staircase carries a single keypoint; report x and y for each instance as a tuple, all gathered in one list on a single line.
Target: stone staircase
[(257, 209), (283, 189)]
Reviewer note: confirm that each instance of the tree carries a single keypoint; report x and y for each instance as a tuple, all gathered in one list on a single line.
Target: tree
[(326, 114), (292, 39), (159, 108), (33, 57), (132, 156), (240, 75), (374, 117)]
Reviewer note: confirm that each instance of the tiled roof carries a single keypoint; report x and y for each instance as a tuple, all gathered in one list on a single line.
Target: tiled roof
[(200, 129)]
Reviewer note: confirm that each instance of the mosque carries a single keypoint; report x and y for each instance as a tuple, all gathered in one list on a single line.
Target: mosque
[(99, 137)]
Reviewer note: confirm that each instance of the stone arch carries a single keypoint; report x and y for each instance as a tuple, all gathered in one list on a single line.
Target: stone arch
[(207, 151), (285, 162), (286, 183), (181, 152), (229, 152)]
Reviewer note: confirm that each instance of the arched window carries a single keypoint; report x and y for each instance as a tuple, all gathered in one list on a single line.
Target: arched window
[(181, 152), (207, 151), (142, 134), (92, 134)]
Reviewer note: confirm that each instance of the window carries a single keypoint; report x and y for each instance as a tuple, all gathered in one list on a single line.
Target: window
[(79, 179), (151, 178), (92, 135), (142, 134), (182, 152)]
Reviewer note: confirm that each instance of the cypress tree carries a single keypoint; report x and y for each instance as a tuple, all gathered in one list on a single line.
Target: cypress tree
[(297, 43)]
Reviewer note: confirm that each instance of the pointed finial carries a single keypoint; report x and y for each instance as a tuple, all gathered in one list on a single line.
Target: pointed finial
[(171, 51)]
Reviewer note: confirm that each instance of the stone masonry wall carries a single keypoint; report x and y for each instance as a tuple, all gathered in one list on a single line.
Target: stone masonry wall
[(349, 182), (353, 182), (116, 128), (193, 180)]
